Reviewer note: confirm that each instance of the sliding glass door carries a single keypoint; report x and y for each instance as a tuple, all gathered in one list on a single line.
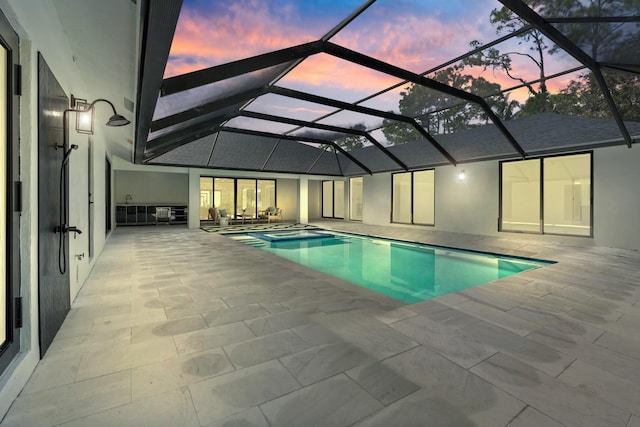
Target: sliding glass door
[(327, 199), (567, 195), (401, 209), (551, 195), (355, 198), (521, 196), (239, 197), (206, 196), (413, 199), (266, 194), (224, 194), (333, 199), (246, 200)]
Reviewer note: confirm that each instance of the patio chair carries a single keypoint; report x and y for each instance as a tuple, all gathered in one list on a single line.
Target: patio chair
[(214, 215), (163, 214), (218, 216), (274, 215)]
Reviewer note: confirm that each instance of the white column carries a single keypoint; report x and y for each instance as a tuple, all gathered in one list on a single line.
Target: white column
[(303, 200), (194, 199)]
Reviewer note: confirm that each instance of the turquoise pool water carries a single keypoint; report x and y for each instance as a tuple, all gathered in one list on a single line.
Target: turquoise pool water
[(405, 271)]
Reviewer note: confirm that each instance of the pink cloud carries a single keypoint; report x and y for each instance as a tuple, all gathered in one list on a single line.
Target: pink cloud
[(303, 110), (413, 41), (329, 71), (207, 40), (416, 43), (202, 41)]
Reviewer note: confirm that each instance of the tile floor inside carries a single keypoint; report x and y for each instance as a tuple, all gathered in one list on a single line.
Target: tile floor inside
[(178, 327)]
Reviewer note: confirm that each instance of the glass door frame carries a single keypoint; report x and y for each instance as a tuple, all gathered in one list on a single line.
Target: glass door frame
[(542, 189), (412, 197), (333, 198), (236, 207), (10, 345)]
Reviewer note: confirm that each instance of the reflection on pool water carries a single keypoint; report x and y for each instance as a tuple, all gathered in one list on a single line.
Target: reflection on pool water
[(409, 272)]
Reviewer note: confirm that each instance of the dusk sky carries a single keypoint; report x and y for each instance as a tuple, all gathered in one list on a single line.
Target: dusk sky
[(414, 34)]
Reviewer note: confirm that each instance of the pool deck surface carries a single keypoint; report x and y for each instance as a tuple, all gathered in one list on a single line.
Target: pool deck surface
[(178, 327)]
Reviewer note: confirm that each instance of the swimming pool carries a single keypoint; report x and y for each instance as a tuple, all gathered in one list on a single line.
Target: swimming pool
[(409, 272)]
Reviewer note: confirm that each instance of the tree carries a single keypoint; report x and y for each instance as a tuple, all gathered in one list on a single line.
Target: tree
[(583, 97), (603, 41), (350, 141), (506, 21), (398, 132), (439, 113)]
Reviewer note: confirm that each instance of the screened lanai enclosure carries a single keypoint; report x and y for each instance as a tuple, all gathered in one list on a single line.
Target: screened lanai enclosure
[(348, 88)]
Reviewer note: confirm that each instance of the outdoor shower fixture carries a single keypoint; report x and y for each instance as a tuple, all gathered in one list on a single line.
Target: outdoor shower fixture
[(68, 153), (84, 124)]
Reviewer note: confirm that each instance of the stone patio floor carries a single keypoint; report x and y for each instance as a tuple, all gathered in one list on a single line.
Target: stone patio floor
[(178, 327)]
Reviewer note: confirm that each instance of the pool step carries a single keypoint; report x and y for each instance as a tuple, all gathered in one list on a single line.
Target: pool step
[(257, 243)]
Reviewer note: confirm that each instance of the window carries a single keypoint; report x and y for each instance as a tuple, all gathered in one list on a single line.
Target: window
[(355, 198), (327, 199), (521, 196), (401, 208), (238, 196), (413, 197), (266, 194), (246, 197), (551, 195), (206, 196), (423, 197), (224, 194), (338, 199), (567, 195), (333, 199)]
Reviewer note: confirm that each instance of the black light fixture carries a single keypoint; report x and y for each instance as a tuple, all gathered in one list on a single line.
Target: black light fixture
[(84, 116)]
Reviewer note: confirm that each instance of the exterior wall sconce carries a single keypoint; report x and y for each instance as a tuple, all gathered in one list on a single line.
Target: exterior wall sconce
[(462, 175), (84, 115)]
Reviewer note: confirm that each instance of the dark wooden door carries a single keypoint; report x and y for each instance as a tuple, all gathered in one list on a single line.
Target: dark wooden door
[(53, 286)]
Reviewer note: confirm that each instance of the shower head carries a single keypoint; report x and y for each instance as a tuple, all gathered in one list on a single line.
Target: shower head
[(68, 153), (117, 120)]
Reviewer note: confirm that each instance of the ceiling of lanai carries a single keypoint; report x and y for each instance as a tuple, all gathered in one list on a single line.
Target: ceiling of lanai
[(347, 87)]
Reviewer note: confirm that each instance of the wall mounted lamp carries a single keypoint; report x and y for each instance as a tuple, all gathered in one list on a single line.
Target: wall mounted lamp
[(462, 175), (84, 116)]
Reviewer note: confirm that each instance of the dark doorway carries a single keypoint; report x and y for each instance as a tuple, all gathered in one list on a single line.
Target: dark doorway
[(107, 194), (90, 190), (53, 250), (10, 204)]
